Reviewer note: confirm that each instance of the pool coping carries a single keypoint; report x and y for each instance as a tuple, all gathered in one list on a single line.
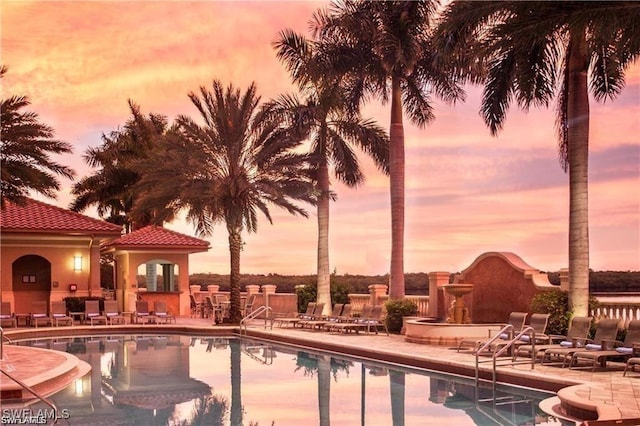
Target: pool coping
[(567, 390)]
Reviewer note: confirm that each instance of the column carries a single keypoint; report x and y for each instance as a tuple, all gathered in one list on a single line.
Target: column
[(436, 299), (375, 291)]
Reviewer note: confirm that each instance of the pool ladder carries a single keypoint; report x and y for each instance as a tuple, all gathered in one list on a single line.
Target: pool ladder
[(502, 350), (254, 314), (529, 331), (20, 382)]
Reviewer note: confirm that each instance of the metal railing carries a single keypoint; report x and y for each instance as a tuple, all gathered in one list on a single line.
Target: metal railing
[(34, 393), (254, 314), (504, 347)]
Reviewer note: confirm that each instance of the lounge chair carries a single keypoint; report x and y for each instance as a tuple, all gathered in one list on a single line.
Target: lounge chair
[(355, 323), (92, 312), (632, 362), (576, 335), (516, 322), (59, 314), (112, 313), (160, 312), (142, 314), (322, 320), (39, 313), (308, 314), (614, 349), (606, 331), (7, 316)]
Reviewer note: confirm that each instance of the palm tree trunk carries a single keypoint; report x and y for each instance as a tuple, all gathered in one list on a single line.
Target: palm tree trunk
[(578, 140), (396, 175), (236, 382), (324, 389), (324, 277), (397, 391), (235, 246)]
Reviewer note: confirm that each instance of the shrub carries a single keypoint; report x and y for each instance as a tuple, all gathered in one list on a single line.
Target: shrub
[(76, 304), (308, 293), (396, 310), (556, 304)]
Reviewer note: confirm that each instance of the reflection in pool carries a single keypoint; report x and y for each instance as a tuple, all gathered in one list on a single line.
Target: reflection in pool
[(181, 380)]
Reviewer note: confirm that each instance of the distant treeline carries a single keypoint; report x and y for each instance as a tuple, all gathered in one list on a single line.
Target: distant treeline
[(415, 283)]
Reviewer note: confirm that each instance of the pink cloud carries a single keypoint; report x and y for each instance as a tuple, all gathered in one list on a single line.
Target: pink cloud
[(467, 192)]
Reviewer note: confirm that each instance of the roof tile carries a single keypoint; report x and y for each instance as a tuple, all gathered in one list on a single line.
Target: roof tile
[(36, 216), (157, 236)]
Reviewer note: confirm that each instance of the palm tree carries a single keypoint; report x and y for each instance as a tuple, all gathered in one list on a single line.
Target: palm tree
[(227, 170), (25, 152), (323, 118), (112, 187), (383, 49), (537, 50)]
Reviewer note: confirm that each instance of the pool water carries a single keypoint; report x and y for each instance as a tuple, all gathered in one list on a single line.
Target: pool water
[(182, 380)]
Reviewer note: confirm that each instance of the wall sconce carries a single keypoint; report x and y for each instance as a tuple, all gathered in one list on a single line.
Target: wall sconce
[(77, 263)]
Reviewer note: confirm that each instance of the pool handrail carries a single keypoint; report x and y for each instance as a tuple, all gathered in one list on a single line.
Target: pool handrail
[(254, 314), (34, 393)]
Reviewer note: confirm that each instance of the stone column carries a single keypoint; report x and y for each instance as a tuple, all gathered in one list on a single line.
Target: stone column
[(269, 288), (375, 291), (564, 279), (436, 298), (252, 289)]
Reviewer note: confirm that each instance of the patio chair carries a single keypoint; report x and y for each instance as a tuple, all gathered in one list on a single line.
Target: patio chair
[(576, 335), (516, 320), (112, 312), (59, 313), (613, 349), (7, 316), (606, 331), (92, 312), (248, 305), (213, 308), (197, 308), (311, 309), (142, 314), (161, 313), (320, 322), (39, 313)]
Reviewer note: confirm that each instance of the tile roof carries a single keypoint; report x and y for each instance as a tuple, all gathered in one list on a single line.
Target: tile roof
[(38, 217), (157, 237)]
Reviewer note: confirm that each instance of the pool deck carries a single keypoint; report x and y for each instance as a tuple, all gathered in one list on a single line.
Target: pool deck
[(615, 396)]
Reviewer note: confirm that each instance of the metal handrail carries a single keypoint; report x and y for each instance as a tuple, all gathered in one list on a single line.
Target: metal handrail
[(254, 314), (2, 339), (34, 393)]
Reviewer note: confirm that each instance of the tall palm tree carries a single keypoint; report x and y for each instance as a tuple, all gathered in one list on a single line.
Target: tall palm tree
[(26, 146), (238, 163), (383, 49), (332, 129), (112, 187), (538, 50)]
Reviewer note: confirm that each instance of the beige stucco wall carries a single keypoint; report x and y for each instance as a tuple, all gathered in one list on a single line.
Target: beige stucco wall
[(127, 270), (59, 252)]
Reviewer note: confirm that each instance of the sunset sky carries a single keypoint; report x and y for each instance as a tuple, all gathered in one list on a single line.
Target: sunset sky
[(467, 192)]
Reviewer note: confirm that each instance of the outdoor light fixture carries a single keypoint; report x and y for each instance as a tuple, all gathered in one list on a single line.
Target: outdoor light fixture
[(77, 263)]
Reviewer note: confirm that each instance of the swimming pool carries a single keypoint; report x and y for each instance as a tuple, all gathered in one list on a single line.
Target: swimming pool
[(183, 380)]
